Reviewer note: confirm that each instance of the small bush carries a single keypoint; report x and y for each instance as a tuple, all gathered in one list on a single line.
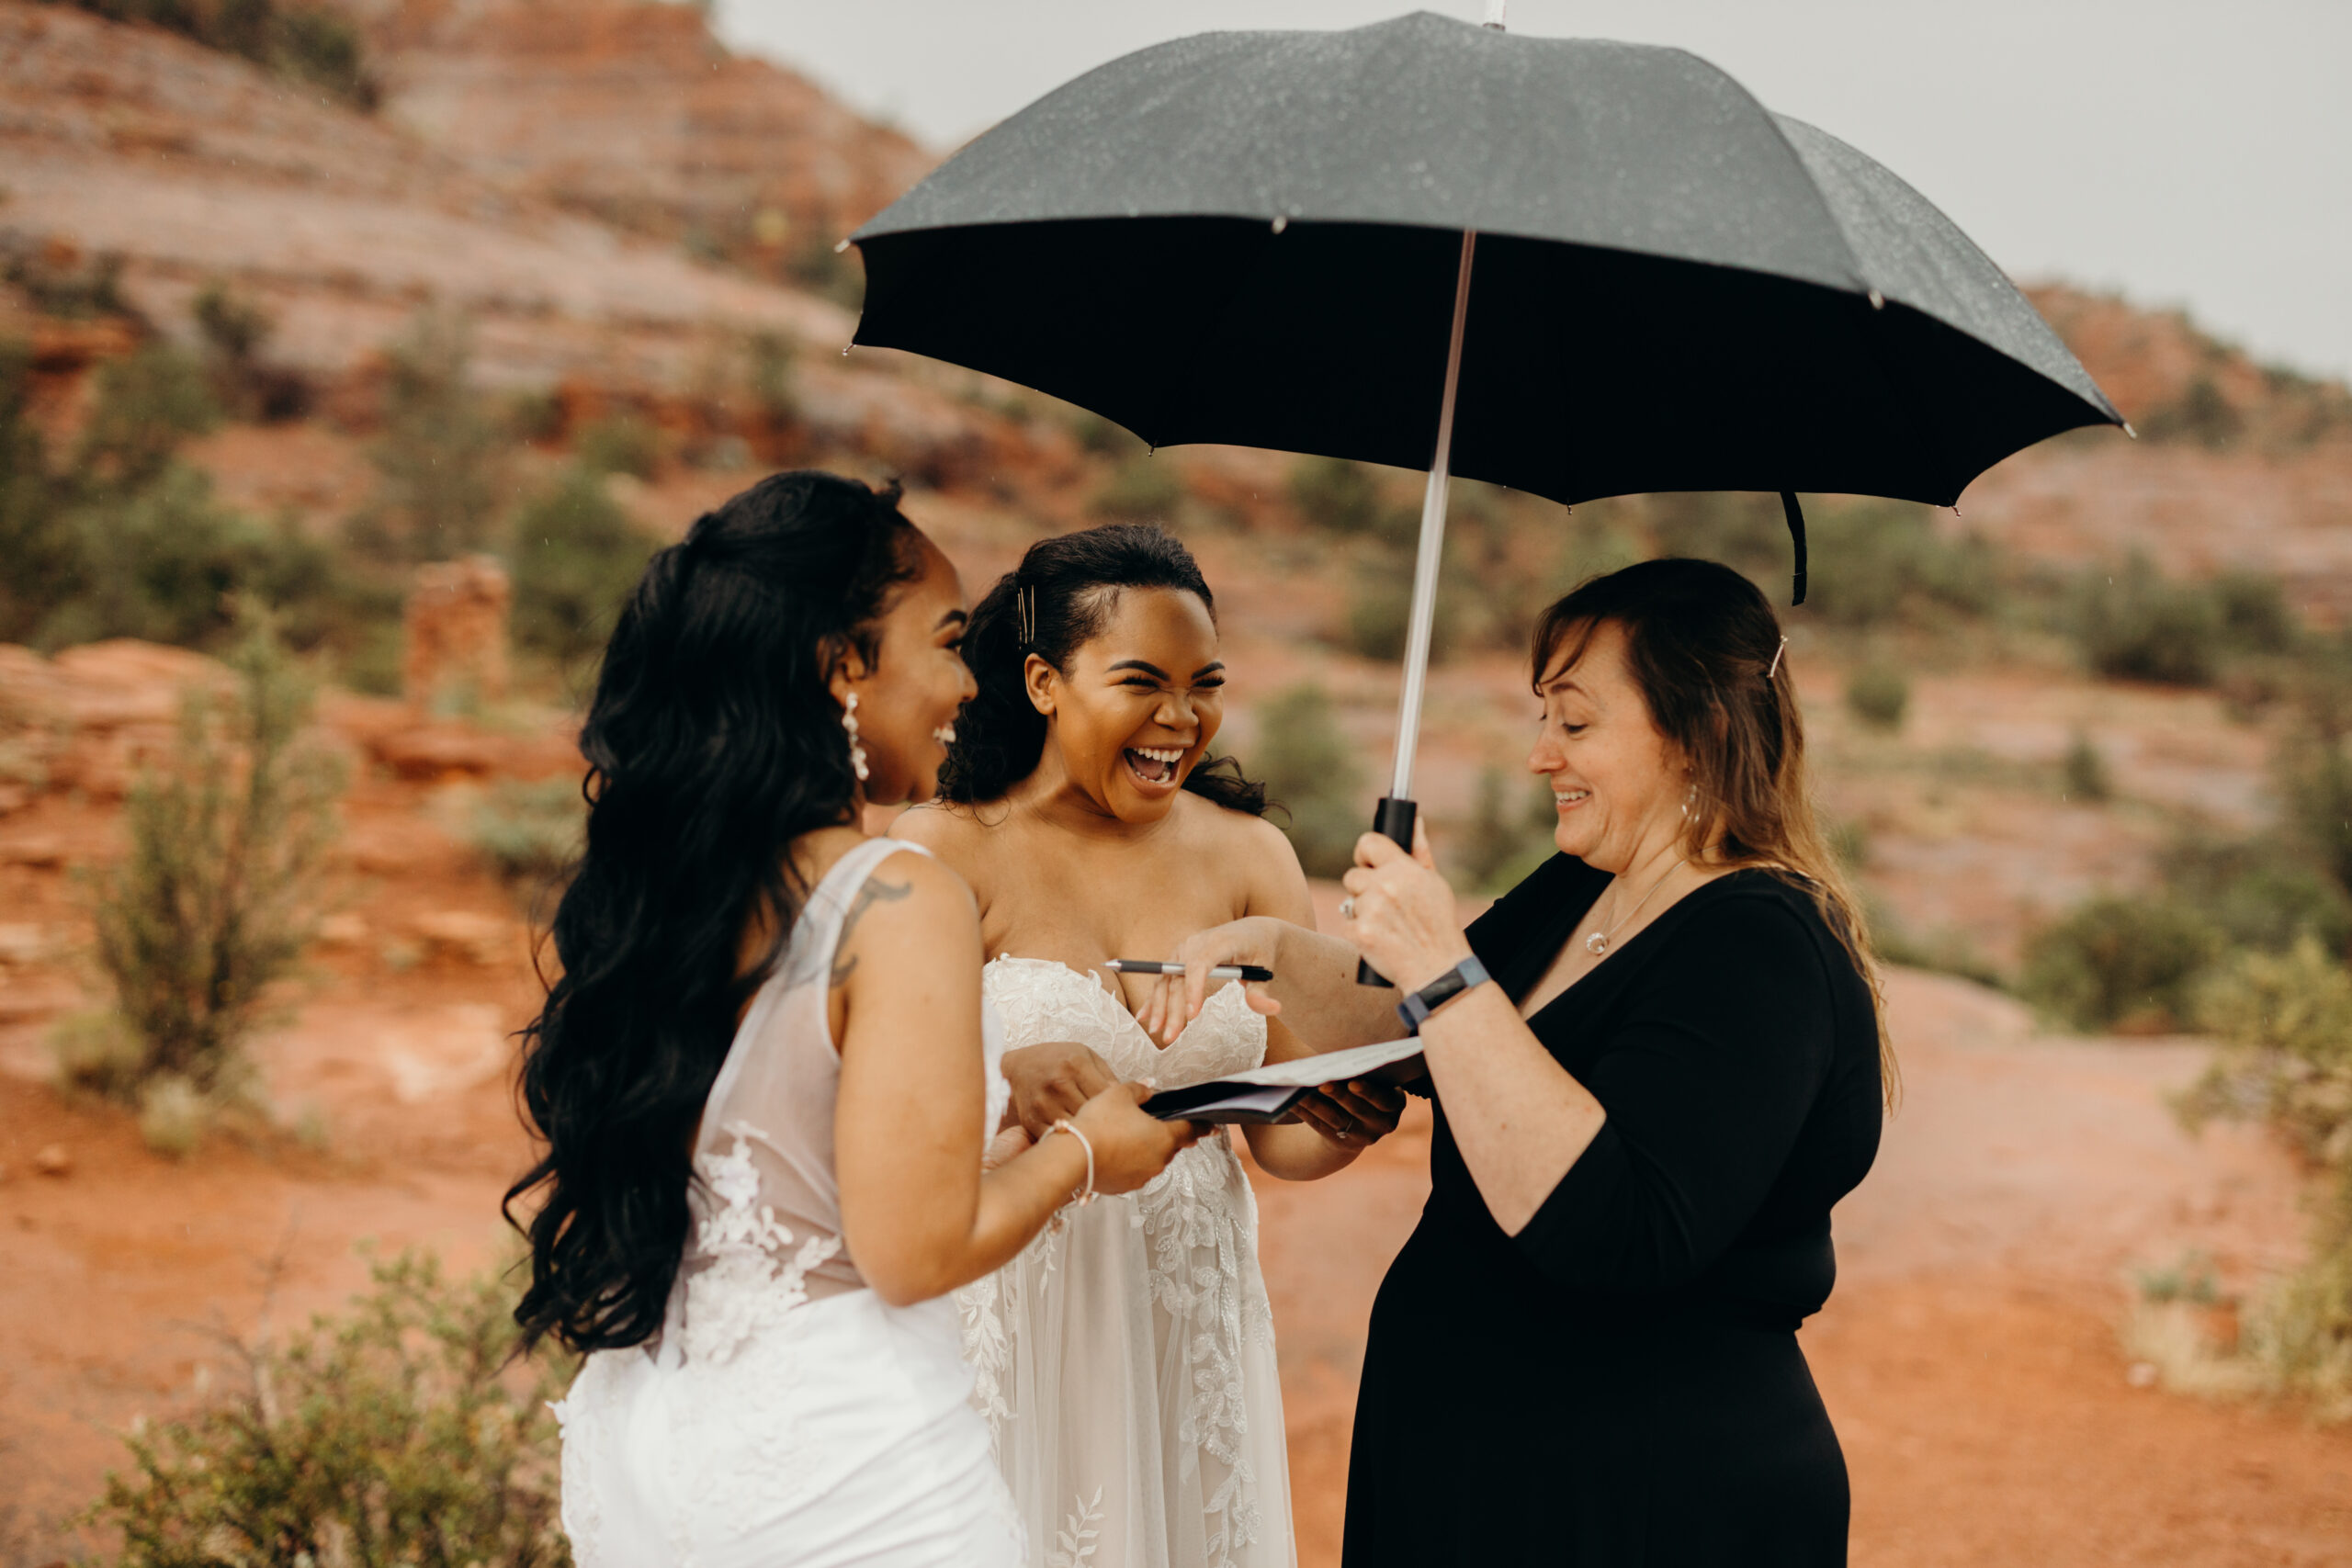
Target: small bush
[(1336, 495), (1310, 770), (39, 555), (529, 833), (2135, 624), (576, 554), (1874, 562), (220, 888), (1879, 695), (2201, 414), (2134, 963), (165, 561), (1747, 532), (307, 43), (147, 405), (2285, 1025), (2255, 618), (1103, 437), (2313, 777), (234, 328), (69, 285), (622, 444), (1143, 489), (401, 1432), (1502, 846), (2264, 893), (769, 358), (438, 458), (2085, 772)]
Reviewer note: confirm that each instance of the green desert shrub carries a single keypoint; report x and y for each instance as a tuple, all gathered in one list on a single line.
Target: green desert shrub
[(1741, 530), (768, 360), (2114, 961), (620, 444), (402, 1432), (2256, 616), (2134, 624), (1104, 438), (1505, 839), (1879, 695), (1143, 489), (146, 405), (528, 832), (438, 458), (315, 45), (1310, 770), (2084, 774), (164, 562), (236, 328), (2264, 892), (221, 883), (2284, 1022), (575, 555), (1380, 608), (1877, 561), (2312, 775), (1336, 495)]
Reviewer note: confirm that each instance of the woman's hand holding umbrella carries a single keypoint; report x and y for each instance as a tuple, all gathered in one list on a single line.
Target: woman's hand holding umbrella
[(1399, 911)]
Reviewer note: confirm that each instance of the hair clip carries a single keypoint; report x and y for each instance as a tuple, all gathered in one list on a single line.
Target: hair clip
[(1775, 668), (1024, 613)]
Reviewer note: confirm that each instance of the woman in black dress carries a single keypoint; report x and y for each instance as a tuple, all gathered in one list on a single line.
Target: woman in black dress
[(1669, 1068)]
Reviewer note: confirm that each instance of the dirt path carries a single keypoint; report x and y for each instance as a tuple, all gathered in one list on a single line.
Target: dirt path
[(1969, 1356)]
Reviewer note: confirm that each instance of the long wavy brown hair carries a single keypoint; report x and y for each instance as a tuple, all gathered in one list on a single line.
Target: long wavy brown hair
[(1708, 654)]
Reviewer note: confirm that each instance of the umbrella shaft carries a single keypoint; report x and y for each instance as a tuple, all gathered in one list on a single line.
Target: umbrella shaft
[(1432, 553)]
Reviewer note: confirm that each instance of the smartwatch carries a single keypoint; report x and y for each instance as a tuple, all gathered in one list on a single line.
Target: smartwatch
[(1416, 1007)]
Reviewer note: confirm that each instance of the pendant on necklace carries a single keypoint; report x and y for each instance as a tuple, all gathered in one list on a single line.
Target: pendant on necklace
[(1596, 943)]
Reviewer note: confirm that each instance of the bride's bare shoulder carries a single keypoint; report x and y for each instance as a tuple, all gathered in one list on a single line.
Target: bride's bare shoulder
[(955, 832), (1222, 831)]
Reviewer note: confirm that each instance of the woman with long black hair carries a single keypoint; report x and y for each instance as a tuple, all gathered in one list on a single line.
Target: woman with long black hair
[(1126, 1364), (766, 1075)]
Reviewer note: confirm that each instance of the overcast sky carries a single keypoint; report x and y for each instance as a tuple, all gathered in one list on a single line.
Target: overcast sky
[(2186, 152)]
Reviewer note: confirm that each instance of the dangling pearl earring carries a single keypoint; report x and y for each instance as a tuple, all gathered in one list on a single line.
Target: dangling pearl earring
[(849, 722), (1690, 799)]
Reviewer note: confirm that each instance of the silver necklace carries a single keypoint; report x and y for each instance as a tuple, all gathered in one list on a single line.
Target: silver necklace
[(1597, 943)]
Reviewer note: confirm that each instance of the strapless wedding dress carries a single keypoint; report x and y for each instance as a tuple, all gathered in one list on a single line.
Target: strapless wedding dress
[(1126, 1363)]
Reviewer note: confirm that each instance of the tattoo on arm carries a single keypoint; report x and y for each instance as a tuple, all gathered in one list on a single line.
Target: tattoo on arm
[(875, 891)]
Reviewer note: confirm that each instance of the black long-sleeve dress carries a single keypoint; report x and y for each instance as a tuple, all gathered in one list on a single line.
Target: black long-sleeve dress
[(1620, 1384)]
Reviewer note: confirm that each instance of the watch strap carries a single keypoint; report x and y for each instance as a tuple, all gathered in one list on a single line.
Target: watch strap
[(1416, 1008)]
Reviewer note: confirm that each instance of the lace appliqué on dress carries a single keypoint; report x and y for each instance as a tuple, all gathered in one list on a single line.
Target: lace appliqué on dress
[(1198, 1220), (749, 1284)]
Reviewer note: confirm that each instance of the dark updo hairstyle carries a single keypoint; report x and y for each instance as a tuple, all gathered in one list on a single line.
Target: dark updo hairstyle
[(712, 743), (1705, 647), (1074, 581)]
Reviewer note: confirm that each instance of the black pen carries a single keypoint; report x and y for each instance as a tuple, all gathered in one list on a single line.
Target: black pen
[(1154, 966)]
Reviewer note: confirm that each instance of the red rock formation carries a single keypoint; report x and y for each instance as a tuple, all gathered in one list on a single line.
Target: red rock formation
[(454, 633), (636, 113)]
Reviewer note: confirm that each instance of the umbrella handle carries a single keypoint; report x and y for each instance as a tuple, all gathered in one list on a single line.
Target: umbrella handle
[(1393, 819)]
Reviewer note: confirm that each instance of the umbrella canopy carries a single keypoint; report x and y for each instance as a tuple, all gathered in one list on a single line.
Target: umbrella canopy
[(1254, 238)]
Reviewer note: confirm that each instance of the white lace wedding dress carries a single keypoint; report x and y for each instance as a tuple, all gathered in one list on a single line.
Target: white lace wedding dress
[(787, 1414), (1126, 1363)]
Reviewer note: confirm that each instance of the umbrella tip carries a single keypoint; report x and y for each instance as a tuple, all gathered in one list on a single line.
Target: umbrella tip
[(1495, 14), (1878, 300), (840, 246), (2129, 431), (1282, 221)]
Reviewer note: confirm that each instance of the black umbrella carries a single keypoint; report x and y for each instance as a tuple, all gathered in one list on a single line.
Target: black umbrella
[(1260, 239)]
